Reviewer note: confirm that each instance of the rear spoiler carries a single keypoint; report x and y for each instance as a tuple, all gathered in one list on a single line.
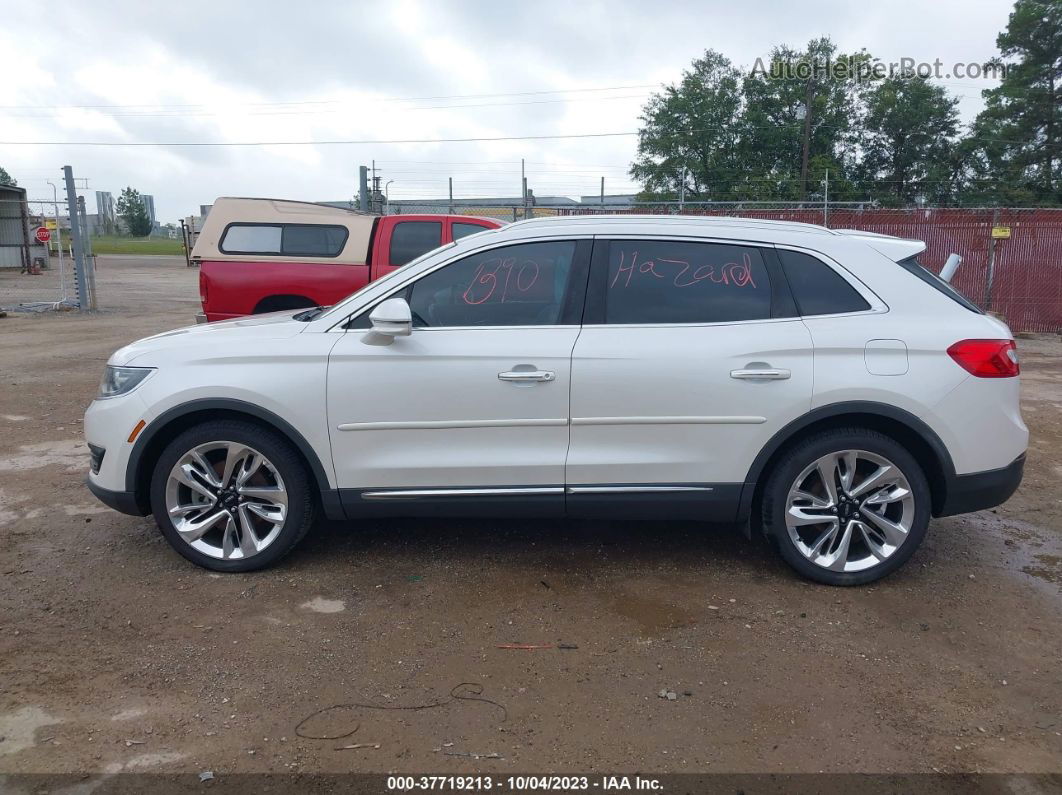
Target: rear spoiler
[(895, 248)]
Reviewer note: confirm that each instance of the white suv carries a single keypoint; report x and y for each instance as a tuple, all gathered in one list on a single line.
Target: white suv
[(816, 385)]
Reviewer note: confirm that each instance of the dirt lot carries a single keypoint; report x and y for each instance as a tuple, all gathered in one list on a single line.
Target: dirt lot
[(117, 654)]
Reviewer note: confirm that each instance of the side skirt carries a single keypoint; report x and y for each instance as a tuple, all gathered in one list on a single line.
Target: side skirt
[(717, 502)]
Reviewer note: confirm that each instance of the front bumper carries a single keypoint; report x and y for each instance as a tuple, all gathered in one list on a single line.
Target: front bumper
[(980, 490), (122, 501)]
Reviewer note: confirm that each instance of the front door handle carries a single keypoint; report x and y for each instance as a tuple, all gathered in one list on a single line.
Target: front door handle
[(524, 376), (764, 374)]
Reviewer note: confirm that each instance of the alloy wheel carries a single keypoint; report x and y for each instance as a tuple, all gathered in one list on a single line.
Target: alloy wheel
[(226, 500), (849, 510)]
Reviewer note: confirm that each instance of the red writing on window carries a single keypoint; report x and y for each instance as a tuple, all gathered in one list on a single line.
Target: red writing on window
[(680, 273), (500, 279)]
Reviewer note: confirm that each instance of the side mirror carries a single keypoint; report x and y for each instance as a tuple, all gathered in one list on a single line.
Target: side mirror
[(389, 319)]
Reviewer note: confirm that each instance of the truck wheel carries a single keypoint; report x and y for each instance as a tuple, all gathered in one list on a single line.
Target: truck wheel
[(231, 496)]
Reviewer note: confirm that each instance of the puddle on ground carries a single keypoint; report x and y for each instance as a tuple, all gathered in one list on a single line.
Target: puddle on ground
[(71, 454), (1047, 568), (153, 760), (19, 728), (321, 605), (129, 714), (653, 617), (85, 510)]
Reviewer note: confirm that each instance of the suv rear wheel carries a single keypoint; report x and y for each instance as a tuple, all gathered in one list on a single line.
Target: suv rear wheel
[(847, 506), (231, 496)]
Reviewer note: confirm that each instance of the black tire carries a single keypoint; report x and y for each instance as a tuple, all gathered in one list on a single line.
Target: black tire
[(802, 455), (281, 454)]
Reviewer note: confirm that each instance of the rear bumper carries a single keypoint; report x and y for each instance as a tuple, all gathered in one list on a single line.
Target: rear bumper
[(980, 490), (122, 501)]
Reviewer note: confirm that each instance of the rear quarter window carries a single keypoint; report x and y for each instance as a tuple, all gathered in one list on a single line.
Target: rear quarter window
[(916, 268), (817, 288)]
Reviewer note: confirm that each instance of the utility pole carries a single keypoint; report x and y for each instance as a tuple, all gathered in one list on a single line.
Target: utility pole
[(363, 189), (451, 181), (523, 186), (682, 188), (808, 96), (75, 235), (602, 192), (826, 199), (990, 274)]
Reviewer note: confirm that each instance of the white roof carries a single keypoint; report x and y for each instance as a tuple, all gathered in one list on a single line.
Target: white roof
[(819, 238)]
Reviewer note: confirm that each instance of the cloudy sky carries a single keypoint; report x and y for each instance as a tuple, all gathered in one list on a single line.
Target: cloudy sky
[(146, 77)]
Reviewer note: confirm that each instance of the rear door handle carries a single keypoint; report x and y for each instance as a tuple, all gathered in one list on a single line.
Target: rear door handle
[(772, 374), (524, 376)]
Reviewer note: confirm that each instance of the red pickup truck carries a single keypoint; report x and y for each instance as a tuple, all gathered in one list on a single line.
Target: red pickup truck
[(266, 255)]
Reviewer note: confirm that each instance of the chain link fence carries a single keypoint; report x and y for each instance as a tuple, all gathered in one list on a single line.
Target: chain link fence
[(41, 278)]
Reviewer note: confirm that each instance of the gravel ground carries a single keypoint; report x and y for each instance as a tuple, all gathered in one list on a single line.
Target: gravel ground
[(118, 655)]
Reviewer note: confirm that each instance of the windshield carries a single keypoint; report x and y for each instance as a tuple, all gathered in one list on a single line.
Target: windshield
[(913, 266)]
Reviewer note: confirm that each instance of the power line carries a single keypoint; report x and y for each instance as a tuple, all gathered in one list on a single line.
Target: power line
[(340, 101), (321, 143), (186, 114)]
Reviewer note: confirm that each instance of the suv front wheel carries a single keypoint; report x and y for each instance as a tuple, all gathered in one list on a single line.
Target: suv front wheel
[(231, 496), (846, 506)]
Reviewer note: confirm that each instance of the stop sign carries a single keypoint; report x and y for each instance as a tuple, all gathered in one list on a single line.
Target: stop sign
[(43, 234)]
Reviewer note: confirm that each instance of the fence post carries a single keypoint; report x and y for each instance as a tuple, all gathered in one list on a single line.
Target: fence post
[(75, 234), (90, 259), (990, 274)]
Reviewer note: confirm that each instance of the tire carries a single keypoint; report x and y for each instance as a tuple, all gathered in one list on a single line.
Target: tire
[(204, 519), (871, 506)]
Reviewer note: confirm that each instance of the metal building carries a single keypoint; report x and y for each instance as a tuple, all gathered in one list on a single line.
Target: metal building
[(14, 228)]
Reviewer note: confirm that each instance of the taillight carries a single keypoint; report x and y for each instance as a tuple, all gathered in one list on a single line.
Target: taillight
[(202, 288), (986, 358)]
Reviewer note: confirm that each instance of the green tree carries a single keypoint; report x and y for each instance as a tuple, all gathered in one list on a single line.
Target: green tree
[(5, 178), (816, 87), (131, 210), (909, 133), (689, 134), (1015, 146)]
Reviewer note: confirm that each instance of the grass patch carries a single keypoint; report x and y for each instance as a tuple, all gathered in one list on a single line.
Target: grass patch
[(137, 245)]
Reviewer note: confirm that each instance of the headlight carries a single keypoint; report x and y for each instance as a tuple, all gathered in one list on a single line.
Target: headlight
[(122, 380)]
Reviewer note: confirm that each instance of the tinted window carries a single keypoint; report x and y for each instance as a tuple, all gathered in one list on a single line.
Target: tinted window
[(313, 241), (672, 282), (912, 265), (294, 240), (520, 285), (818, 288), (461, 230), (410, 239)]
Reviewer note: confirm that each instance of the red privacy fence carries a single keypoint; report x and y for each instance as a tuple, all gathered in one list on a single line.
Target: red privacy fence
[(1019, 276)]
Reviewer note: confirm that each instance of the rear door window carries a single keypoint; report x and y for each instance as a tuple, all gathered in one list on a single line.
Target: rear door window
[(410, 239), (461, 229), (817, 288), (669, 281)]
